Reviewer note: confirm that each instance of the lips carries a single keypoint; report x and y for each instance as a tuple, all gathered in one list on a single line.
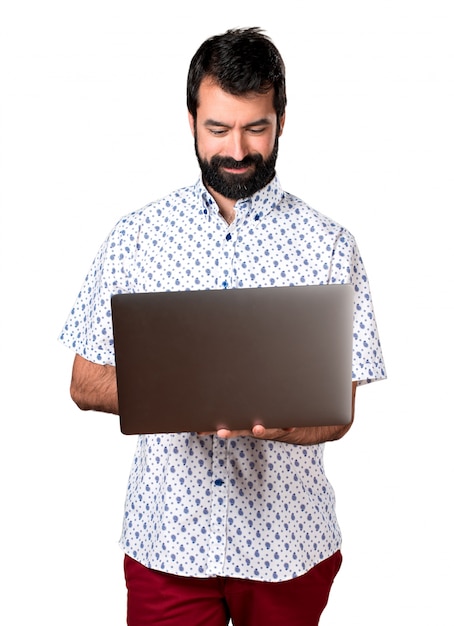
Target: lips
[(236, 170)]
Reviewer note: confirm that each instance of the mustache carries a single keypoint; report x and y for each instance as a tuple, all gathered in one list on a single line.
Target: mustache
[(232, 164)]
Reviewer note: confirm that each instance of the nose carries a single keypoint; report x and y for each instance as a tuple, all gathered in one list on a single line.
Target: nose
[(237, 146)]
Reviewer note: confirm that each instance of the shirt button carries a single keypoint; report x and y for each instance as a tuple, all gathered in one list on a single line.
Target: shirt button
[(218, 482)]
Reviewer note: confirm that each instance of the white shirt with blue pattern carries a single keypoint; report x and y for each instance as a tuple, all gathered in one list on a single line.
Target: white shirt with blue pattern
[(200, 505)]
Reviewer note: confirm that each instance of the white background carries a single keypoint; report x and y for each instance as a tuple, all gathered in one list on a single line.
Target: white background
[(93, 125)]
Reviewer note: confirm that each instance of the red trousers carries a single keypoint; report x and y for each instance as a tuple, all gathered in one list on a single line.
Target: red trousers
[(155, 598)]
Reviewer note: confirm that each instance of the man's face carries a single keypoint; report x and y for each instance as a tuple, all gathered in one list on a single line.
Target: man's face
[(236, 140)]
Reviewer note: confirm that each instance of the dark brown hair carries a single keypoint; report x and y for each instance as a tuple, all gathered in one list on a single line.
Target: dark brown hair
[(240, 61)]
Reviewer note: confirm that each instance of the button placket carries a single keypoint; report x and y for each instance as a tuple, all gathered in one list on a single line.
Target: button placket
[(219, 499), (226, 243)]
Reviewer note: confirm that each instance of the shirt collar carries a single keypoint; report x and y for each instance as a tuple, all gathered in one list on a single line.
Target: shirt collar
[(257, 205)]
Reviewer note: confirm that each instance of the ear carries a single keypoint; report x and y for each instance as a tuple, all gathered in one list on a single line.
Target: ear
[(281, 125), (191, 123)]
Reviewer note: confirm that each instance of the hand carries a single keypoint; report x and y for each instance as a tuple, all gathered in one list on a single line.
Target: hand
[(258, 431)]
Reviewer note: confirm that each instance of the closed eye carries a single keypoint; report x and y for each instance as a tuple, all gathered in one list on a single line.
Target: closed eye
[(256, 131), (218, 132)]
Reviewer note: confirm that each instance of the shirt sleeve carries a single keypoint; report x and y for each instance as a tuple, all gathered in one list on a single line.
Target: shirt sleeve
[(367, 358), (88, 329)]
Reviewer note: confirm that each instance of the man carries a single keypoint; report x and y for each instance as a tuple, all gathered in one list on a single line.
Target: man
[(229, 525)]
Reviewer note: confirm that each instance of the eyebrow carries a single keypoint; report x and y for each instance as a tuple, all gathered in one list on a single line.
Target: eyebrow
[(261, 122)]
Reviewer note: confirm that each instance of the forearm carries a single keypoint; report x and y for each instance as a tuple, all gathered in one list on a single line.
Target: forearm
[(93, 386), (312, 435)]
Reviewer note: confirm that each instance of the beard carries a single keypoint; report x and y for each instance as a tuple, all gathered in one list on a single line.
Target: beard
[(236, 186)]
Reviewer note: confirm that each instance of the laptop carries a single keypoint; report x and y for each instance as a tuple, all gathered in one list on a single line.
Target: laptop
[(197, 361)]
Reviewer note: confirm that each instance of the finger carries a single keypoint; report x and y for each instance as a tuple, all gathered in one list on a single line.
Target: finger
[(224, 433), (259, 431)]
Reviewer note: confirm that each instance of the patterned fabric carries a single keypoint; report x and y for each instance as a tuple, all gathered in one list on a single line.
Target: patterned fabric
[(204, 506)]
